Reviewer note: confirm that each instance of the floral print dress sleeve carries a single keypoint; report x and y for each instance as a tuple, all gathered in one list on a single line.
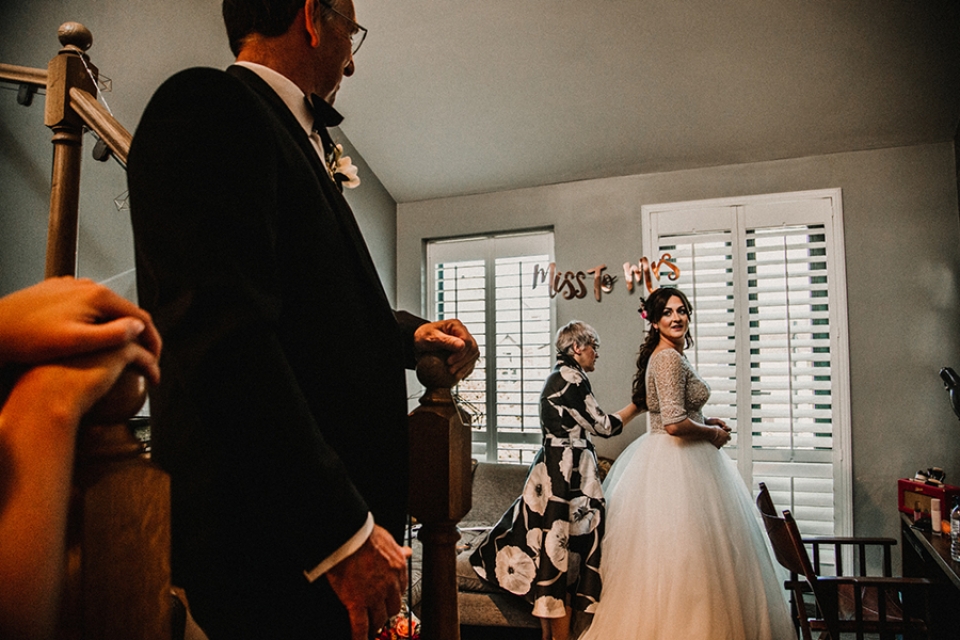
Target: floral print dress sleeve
[(568, 408)]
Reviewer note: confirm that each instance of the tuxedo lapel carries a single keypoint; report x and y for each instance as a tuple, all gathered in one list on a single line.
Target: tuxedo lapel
[(282, 112), (338, 205)]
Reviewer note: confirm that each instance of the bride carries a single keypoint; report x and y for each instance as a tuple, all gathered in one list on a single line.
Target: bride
[(683, 552)]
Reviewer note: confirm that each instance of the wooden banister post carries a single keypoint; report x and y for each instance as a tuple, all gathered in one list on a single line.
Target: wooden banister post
[(440, 494), (118, 538), (69, 68), (117, 583)]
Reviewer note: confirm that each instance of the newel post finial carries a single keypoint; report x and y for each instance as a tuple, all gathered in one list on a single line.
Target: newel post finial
[(74, 34), (435, 376), (69, 69)]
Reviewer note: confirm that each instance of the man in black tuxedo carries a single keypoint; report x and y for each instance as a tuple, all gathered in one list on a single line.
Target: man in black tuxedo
[(281, 415)]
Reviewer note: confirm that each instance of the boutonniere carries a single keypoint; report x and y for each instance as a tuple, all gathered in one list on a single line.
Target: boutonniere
[(342, 169)]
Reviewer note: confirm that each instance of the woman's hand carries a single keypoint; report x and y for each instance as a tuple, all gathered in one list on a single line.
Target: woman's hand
[(717, 422), (722, 432), (65, 317), (38, 429), (629, 412), (722, 435), (66, 389)]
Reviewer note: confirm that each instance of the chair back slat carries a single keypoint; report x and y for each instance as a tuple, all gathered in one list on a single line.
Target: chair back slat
[(765, 502), (780, 540), (783, 547)]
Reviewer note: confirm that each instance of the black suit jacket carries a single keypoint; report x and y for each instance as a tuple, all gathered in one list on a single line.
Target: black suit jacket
[(281, 414)]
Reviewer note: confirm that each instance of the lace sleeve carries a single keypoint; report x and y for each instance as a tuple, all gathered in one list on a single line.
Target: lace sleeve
[(669, 377)]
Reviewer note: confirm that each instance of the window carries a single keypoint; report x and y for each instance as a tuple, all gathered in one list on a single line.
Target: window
[(766, 279), (486, 282)]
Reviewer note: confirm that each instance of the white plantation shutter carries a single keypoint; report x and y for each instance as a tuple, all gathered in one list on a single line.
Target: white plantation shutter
[(790, 371), (766, 280), (486, 282)]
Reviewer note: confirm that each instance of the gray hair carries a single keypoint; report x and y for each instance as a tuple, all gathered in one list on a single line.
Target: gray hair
[(576, 333)]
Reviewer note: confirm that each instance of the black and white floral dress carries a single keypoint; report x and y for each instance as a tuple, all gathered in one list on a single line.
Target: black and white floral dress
[(548, 543)]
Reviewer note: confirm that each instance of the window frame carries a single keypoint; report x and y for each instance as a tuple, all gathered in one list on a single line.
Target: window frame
[(484, 246)]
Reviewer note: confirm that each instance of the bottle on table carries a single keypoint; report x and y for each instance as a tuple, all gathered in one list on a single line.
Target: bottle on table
[(955, 530)]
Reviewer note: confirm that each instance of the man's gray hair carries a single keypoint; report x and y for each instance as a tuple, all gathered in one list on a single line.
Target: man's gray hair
[(576, 333)]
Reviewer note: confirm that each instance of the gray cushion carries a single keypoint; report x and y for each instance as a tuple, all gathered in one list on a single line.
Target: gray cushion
[(467, 578), (495, 487)]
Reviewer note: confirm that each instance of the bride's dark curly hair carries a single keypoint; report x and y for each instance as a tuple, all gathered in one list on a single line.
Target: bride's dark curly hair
[(652, 310)]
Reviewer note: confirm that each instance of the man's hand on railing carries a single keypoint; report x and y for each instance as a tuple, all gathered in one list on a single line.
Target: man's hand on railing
[(370, 582), (449, 335)]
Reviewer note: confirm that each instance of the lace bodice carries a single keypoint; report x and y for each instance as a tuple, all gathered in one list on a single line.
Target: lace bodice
[(674, 390)]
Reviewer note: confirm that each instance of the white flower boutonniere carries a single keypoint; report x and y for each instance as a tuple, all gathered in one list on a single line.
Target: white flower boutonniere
[(342, 169)]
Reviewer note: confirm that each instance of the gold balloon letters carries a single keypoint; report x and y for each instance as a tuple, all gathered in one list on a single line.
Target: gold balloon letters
[(572, 284), (647, 271)]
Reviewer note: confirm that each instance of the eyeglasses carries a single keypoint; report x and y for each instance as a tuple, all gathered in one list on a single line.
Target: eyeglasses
[(357, 35)]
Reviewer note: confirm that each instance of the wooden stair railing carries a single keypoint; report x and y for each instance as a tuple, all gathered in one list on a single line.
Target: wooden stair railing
[(440, 493), (117, 584)]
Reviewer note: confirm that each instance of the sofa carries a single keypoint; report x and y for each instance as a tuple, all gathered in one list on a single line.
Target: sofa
[(495, 487)]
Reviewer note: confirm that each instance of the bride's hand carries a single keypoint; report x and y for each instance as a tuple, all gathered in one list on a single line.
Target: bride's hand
[(717, 422), (721, 436)]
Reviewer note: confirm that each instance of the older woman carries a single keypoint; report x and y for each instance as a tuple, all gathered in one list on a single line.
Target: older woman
[(546, 547)]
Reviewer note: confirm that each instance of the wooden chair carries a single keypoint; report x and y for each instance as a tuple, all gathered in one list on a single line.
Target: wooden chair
[(798, 589), (857, 604)]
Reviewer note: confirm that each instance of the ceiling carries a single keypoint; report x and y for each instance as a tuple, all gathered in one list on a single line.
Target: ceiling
[(463, 97)]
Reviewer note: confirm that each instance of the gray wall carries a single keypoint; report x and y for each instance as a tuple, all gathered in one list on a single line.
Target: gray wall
[(900, 208), (902, 233), (137, 45)]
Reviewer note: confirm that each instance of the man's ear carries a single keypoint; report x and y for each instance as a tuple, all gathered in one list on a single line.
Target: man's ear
[(310, 21)]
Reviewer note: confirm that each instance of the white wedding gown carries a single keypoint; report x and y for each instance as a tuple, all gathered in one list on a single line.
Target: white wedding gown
[(684, 556)]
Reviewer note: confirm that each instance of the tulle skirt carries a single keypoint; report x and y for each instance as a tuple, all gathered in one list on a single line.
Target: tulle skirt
[(684, 555)]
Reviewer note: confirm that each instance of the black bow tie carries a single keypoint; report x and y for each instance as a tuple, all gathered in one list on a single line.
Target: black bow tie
[(324, 115)]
